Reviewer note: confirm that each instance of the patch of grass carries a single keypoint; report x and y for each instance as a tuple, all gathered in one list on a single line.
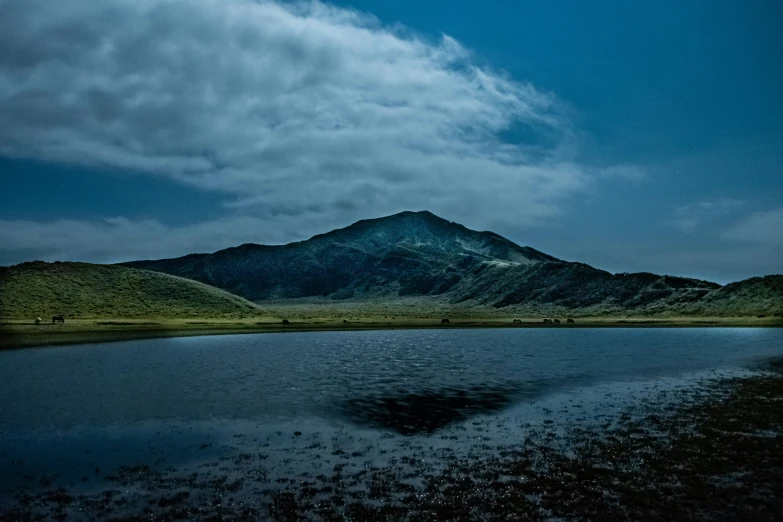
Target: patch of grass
[(125, 323), (83, 290)]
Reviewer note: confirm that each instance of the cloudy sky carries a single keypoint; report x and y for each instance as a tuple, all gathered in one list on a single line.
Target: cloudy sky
[(630, 135)]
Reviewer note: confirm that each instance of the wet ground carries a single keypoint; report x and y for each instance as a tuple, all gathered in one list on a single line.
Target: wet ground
[(706, 447), (407, 425)]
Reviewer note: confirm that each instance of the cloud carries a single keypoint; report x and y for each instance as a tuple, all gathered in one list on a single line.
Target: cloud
[(297, 109), (633, 173), (120, 239), (761, 228), (695, 215)]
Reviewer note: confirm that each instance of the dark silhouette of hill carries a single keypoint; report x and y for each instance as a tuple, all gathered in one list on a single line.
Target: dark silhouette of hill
[(420, 254)]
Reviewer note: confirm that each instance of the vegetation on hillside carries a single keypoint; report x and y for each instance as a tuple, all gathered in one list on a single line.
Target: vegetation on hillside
[(754, 296), (73, 290)]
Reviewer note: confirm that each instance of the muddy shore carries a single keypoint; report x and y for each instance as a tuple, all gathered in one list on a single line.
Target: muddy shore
[(710, 451)]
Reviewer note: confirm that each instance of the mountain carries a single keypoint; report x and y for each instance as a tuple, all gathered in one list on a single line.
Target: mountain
[(412, 253), (41, 289), (420, 254)]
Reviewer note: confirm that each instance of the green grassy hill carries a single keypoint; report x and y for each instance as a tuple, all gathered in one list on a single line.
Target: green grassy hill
[(83, 290), (754, 296)]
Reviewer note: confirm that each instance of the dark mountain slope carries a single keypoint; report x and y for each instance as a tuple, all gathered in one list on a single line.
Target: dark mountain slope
[(420, 254), (411, 253), (579, 286)]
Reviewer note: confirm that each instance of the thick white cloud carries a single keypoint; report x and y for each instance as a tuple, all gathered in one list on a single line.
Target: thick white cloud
[(303, 114)]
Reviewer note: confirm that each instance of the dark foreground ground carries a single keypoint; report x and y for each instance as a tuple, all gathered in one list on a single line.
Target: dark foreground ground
[(716, 453)]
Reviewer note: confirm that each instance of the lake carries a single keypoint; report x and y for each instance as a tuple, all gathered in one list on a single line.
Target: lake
[(262, 411)]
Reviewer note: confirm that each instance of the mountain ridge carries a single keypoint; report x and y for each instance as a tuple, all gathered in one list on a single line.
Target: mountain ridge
[(420, 254), (386, 254)]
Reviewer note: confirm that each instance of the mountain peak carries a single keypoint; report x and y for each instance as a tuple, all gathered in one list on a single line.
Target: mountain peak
[(410, 253), (406, 216), (428, 235)]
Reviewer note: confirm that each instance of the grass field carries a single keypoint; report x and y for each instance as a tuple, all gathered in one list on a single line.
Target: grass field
[(24, 333), (103, 303), (83, 290)]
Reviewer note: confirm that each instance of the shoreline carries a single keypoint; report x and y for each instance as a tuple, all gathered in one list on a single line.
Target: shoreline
[(709, 449), (21, 334)]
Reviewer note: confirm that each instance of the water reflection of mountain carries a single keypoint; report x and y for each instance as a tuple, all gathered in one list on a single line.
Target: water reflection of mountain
[(430, 410)]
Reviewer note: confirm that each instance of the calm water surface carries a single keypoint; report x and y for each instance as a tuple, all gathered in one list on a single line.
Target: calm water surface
[(332, 374), (69, 409)]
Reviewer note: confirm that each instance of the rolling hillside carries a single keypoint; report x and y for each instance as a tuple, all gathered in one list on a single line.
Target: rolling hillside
[(420, 254), (754, 296), (82, 290)]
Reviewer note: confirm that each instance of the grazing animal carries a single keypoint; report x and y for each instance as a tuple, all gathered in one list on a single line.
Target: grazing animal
[(547, 321), (58, 319), (570, 321), (517, 321), (37, 321), (557, 321), (285, 321), (444, 321)]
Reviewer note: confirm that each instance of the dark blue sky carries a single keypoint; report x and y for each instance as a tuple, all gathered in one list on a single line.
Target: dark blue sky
[(652, 140)]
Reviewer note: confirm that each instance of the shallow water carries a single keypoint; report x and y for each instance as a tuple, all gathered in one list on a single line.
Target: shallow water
[(303, 402)]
